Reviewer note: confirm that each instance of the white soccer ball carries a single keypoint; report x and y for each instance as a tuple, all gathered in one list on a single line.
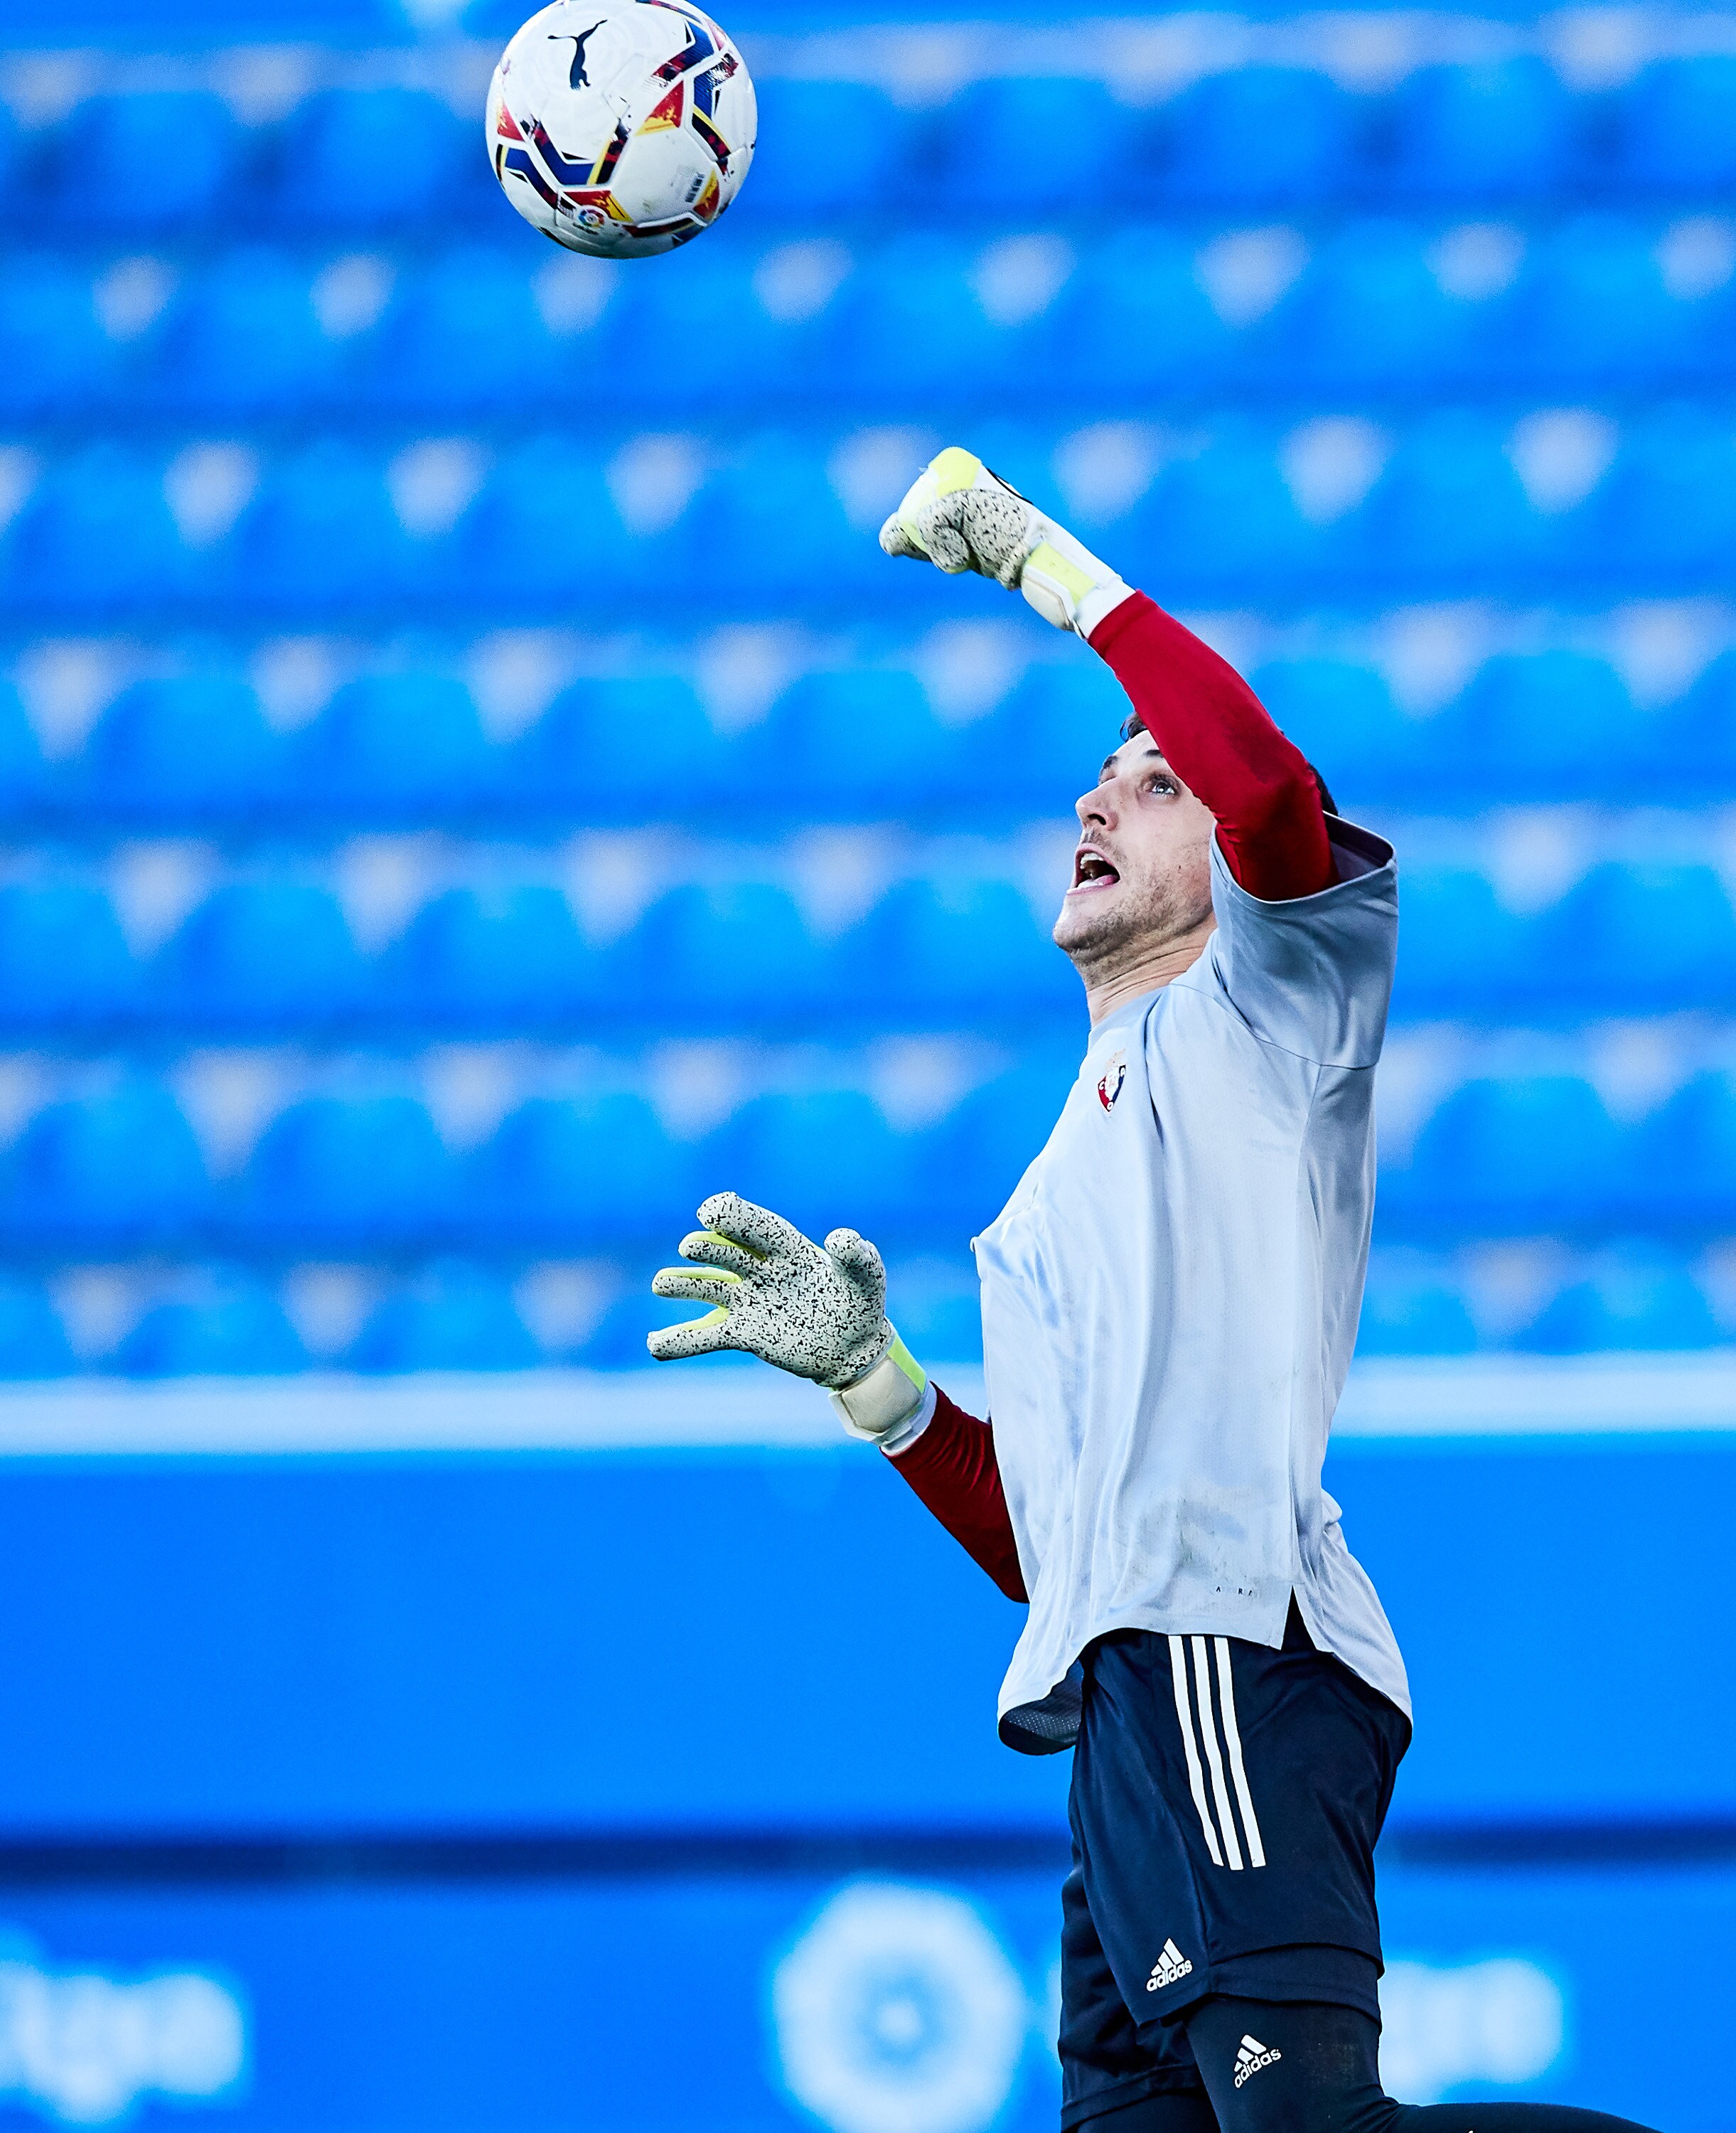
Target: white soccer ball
[(621, 127)]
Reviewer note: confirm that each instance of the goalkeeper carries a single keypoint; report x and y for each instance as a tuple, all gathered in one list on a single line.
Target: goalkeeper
[(1170, 1301)]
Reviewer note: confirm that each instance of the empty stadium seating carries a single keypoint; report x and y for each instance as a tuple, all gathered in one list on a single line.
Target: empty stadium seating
[(1460, 501), (1270, 133), (472, 784), (206, 1318), (408, 750)]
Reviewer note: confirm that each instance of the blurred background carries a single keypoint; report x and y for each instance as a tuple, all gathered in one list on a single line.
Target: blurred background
[(472, 786)]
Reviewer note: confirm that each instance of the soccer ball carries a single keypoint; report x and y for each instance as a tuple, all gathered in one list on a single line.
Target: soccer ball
[(621, 127)]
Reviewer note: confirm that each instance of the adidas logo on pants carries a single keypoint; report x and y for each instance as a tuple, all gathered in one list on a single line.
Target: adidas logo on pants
[(1251, 2057)]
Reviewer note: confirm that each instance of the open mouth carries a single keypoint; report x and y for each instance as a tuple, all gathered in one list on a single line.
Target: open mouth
[(1091, 870)]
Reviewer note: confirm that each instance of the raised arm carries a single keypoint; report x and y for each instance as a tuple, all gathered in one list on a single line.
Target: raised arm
[(1217, 737), (1211, 728)]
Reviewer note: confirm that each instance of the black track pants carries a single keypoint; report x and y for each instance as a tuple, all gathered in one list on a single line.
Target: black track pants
[(1302, 2067)]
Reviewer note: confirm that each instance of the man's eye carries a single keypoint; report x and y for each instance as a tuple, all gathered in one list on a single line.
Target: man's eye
[(1158, 783)]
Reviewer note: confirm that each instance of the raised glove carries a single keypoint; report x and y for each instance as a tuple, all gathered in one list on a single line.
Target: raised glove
[(817, 1313), (959, 517)]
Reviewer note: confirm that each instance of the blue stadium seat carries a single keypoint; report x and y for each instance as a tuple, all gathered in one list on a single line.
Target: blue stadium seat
[(33, 1341), (260, 958), (1501, 130), (454, 1318), (64, 965), (861, 742), (1048, 737), (1523, 1151), (344, 1174), (1411, 1308), (1631, 937), (957, 950), (244, 339), (180, 751), (1223, 523), (1694, 741), (735, 955), (1685, 1156), (556, 522), (175, 155), (1461, 948), (568, 1173), (785, 313), (355, 159), (109, 1173), (54, 354), (632, 749), (24, 779), (914, 323), (398, 747), (1546, 725), (1677, 130), (1449, 510), (1342, 716), (1372, 314), (231, 1327), (1261, 137), (1594, 312), (822, 1158), (106, 501), (1640, 1298), (1666, 515), (979, 1151), (783, 480), (465, 335), (1039, 142), (498, 960), (827, 147), (1138, 319), (322, 538), (12, 163)]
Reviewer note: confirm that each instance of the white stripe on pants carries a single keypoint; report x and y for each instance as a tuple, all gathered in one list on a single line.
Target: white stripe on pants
[(1194, 1710)]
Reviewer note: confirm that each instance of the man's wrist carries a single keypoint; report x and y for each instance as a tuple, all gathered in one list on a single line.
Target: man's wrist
[(1099, 604), (889, 1405), (1069, 586)]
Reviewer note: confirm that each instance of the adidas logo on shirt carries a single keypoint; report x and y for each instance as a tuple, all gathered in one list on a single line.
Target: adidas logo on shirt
[(1253, 2056), (1171, 1966)]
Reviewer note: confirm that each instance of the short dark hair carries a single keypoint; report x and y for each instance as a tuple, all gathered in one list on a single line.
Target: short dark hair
[(1133, 725)]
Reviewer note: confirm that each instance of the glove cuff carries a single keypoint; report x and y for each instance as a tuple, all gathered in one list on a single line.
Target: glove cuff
[(889, 1404), (1069, 587)]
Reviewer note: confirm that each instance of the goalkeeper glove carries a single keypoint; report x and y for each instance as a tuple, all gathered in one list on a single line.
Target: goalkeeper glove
[(817, 1313), (961, 517)]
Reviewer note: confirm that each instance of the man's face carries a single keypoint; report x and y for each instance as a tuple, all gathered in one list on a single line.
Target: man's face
[(1142, 872)]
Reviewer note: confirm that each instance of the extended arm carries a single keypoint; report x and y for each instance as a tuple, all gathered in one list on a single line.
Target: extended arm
[(1212, 730), (818, 1312)]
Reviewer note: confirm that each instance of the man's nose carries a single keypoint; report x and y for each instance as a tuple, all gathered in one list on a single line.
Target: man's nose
[(1096, 805)]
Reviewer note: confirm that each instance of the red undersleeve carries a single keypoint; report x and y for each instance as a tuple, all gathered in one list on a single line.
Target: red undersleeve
[(952, 1468), (1216, 736)]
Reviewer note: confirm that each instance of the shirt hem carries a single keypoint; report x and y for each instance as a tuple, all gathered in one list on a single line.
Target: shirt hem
[(1031, 1695)]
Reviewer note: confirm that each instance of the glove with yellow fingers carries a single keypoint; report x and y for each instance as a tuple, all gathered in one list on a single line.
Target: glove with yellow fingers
[(819, 1313), (959, 517)]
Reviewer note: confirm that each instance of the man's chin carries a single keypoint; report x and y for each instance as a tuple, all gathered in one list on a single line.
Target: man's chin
[(1091, 921)]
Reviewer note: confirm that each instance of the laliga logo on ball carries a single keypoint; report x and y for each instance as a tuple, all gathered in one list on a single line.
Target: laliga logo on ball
[(621, 127)]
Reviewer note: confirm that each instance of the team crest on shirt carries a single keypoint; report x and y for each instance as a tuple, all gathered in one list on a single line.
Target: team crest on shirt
[(1109, 1088)]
